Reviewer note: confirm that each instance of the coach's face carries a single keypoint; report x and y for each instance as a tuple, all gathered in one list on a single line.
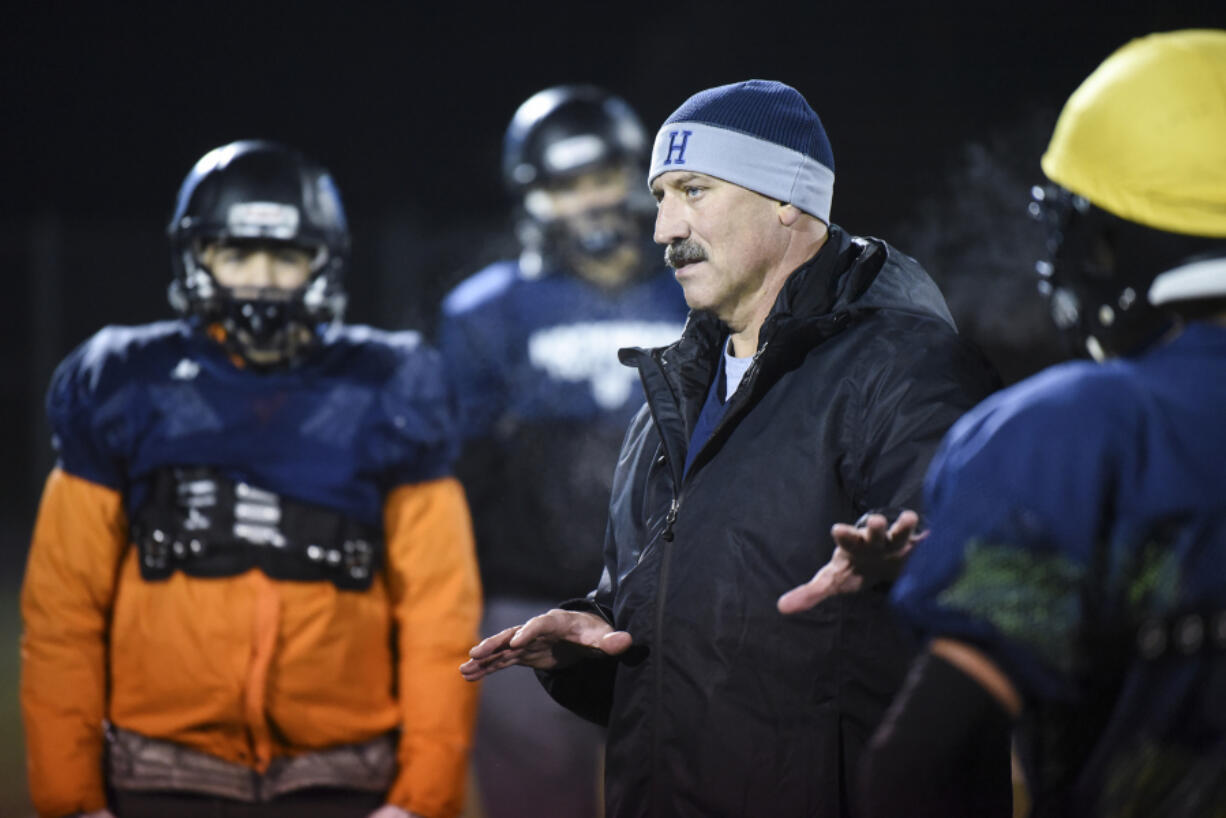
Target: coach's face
[(721, 239)]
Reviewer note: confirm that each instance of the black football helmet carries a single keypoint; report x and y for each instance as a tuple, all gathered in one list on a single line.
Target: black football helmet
[(555, 136), (260, 192)]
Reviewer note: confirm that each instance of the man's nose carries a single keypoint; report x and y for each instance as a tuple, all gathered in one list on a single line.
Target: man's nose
[(261, 270), (670, 226)]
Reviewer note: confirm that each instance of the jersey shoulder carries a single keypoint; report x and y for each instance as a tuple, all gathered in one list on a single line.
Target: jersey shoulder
[(482, 288), (89, 401), (369, 351), (1064, 391), (398, 362), (113, 357), (414, 410), (1072, 406)]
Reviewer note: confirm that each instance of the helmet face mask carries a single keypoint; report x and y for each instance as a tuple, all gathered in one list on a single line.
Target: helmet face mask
[(588, 216), (1096, 275), (260, 197), (598, 233)]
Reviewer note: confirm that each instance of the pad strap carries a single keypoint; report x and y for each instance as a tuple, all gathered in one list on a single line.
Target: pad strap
[(207, 525)]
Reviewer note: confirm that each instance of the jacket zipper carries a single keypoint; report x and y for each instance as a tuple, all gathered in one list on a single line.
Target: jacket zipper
[(667, 536), (666, 553), (666, 548)]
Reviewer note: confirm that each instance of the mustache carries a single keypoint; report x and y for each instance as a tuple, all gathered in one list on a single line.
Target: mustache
[(680, 253)]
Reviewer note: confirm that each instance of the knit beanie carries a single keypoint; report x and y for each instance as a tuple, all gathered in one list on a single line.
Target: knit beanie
[(760, 135)]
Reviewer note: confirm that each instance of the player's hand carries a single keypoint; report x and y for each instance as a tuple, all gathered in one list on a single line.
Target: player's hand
[(863, 556), (100, 813), (553, 640)]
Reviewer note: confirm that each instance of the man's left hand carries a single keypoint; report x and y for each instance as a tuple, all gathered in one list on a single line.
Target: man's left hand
[(864, 555)]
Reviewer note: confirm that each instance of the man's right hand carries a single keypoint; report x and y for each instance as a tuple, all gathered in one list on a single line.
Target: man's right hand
[(553, 640), (864, 554)]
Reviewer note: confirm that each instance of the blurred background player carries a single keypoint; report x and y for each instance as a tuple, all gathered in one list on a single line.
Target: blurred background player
[(252, 575), (532, 345), (1074, 581)]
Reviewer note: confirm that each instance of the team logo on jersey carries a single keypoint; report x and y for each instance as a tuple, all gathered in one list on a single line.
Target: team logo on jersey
[(676, 147), (587, 351)]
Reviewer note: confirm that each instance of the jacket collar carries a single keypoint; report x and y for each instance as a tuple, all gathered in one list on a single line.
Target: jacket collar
[(818, 291), (814, 303)]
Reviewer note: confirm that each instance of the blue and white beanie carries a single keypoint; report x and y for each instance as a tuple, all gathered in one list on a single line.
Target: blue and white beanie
[(759, 134)]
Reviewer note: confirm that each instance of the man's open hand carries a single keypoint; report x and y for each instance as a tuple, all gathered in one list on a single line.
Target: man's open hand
[(552, 640), (863, 556)]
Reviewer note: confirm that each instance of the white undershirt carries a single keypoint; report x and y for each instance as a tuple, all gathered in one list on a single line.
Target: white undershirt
[(734, 370)]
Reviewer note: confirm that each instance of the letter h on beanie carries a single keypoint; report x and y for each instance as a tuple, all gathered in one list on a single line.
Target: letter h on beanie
[(758, 134)]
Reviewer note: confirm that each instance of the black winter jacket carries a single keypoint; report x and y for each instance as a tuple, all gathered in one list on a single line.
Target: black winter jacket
[(724, 707)]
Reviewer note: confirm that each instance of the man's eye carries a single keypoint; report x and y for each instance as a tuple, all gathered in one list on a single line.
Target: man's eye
[(692, 191)]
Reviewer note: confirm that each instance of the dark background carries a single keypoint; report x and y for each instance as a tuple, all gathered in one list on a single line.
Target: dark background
[(936, 112)]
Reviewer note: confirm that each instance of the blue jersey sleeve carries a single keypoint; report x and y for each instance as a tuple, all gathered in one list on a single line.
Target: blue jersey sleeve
[(1015, 498), (88, 412)]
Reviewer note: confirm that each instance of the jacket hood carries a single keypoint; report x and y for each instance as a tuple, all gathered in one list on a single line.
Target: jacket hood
[(900, 284)]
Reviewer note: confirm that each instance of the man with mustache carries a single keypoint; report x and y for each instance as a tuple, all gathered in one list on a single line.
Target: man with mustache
[(816, 375), (530, 344)]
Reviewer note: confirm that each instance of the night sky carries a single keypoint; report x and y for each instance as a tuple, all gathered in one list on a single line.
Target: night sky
[(107, 105), (106, 109)]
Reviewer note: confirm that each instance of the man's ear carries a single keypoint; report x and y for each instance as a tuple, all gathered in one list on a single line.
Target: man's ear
[(788, 213)]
